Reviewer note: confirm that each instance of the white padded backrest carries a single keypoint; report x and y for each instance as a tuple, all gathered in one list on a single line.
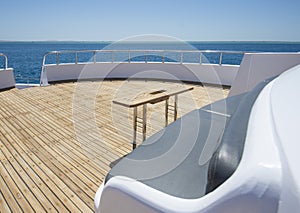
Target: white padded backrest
[(257, 67), (7, 78)]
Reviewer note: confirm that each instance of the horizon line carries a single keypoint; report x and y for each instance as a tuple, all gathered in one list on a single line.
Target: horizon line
[(139, 41)]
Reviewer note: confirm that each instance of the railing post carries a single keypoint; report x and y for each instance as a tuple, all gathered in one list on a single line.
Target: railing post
[(94, 57), (43, 77), (112, 56), (163, 57), (181, 57), (6, 62), (76, 57), (200, 57), (57, 58), (146, 60), (220, 60), (128, 56), (44, 60)]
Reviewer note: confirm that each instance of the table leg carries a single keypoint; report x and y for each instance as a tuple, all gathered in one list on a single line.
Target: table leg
[(175, 107), (166, 112), (134, 127), (144, 121)]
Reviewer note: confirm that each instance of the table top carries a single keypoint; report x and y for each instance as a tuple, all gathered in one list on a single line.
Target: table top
[(152, 96)]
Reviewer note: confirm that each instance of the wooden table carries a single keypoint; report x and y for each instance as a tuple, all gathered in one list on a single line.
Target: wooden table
[(152, 97)]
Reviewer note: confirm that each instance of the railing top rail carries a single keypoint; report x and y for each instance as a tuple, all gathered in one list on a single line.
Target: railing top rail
[(129, 51), (6, 60), (128, 56), (146, 50)]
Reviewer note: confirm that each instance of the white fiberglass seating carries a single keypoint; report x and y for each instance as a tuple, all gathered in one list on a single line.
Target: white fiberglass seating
[(239, 154)]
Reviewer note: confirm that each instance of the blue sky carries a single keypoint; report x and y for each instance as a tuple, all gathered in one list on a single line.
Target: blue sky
[(112, 20)]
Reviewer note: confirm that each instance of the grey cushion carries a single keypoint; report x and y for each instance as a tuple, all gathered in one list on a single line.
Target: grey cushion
[(196, 153)]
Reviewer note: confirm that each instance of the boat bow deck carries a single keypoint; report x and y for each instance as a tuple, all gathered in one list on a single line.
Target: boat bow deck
[(57, 143)]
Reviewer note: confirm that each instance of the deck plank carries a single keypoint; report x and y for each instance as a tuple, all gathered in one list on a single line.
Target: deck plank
[(7, 200), (29, 177), (58, 142), (48, 178)]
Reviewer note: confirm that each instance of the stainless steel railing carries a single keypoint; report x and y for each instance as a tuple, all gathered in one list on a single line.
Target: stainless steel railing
[(130, 58), (5, 59)]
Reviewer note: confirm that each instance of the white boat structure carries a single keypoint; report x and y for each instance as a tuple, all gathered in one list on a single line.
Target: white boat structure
[(236, 154), (6, 75)]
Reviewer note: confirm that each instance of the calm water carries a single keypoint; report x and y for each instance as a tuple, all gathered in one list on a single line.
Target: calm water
[(26, 57)]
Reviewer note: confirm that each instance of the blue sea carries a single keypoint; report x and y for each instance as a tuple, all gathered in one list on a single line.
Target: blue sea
[(26, 57)]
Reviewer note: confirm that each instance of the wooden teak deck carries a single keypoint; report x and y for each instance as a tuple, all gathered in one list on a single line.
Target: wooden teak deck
[(58, 142)]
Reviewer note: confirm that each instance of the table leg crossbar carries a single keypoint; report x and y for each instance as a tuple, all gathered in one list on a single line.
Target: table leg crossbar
[(173, 108), (143, 120)]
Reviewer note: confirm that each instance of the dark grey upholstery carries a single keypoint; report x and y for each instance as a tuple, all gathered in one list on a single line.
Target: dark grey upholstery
[(196, 153), (228, 155)]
